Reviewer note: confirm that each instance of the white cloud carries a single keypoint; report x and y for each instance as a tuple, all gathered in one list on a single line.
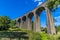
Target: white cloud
[(37, 0), (58, 17), (57, 23), (39, 3), (57, 20), (58, 6)]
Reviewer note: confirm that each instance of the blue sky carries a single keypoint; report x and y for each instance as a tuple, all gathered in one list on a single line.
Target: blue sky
[(17, 8)]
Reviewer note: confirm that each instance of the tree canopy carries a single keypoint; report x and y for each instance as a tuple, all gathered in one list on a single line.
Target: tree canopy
[(4, 22), (52, 4)]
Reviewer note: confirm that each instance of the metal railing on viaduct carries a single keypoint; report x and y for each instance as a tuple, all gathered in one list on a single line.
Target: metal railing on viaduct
[(26, 20)]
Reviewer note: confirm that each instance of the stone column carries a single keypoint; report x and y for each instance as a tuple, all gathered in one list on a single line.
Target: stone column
[(21, 24), (50, 23), (29, 23), (36, 23), (25, 24), (17, 23)]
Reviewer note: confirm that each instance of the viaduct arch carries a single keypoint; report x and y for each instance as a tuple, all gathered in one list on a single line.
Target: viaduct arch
[(26, 20)]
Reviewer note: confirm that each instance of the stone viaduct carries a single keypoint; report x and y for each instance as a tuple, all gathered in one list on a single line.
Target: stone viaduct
[(26, 20)]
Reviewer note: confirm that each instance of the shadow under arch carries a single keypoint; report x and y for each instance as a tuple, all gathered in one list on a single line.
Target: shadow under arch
[(24, 18), (19, 20), (30, 15), (39, 10)]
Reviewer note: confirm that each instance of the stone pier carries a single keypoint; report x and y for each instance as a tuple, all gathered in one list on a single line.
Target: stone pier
[(36, 23), (50, 22), (29, 23)]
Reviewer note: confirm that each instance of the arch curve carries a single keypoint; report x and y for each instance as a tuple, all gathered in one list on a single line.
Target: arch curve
[(24, 18), (40, 9), (30, 14)]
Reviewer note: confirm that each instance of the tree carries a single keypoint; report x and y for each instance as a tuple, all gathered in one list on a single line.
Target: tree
[(58, 28), (52, 4), (4, 22), (44, 29), (12, 23)]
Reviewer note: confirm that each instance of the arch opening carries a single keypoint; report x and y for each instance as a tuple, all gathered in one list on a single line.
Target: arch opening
[(39, 10), (24, 18), (19, 20), (49, 20), (41, 13), (43, 21), (31, 17)]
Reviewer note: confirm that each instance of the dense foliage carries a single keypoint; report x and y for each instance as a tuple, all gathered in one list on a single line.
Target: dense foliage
[(52, 4), (42, 36), (58, 28), (4, 22)]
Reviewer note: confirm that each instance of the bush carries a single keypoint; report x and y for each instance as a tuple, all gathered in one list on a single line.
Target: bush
[(37, 36), (58, 36), (42, 36)]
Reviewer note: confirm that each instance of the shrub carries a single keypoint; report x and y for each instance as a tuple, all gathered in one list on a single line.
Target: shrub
[(37, 36)]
